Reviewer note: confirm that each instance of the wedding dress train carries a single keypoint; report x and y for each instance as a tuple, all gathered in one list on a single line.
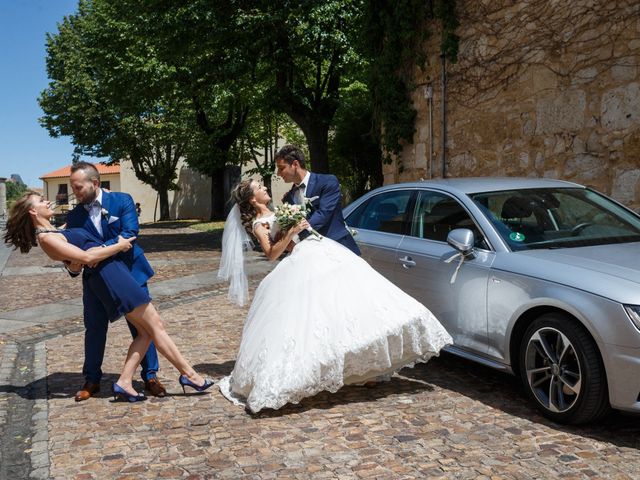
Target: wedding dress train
[(323, 318)]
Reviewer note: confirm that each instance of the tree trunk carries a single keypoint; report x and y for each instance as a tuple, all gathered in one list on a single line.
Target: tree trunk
[(317, 136), (163, 195), (217, 194)]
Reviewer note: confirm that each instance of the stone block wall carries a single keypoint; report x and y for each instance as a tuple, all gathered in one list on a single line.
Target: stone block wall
[(542, 88)]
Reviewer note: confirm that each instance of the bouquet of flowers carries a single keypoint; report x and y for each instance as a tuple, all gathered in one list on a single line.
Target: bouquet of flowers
[(288, 215)]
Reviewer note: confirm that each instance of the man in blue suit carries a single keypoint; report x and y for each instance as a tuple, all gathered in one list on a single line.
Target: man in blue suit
[(107, 215), (326, 213)]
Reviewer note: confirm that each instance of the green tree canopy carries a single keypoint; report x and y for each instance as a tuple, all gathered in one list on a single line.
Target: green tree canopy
[(113, 97), (14, 191)]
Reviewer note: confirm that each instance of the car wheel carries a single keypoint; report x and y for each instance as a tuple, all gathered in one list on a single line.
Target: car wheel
[(562, 371)]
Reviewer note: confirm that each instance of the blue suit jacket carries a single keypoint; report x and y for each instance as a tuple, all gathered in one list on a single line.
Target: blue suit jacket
[(120, 220), (326, 216)]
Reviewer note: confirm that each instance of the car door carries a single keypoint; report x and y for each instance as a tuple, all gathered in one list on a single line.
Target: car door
[(379, 225), (455, 293)]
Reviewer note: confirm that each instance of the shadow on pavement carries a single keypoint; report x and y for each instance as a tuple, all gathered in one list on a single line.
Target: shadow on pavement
[(215, 370), (504, 392), (62, 385), (348, 394), (199, 241)]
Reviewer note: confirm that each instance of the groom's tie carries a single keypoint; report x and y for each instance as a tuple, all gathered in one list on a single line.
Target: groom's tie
[(89, 206), (298, 194)]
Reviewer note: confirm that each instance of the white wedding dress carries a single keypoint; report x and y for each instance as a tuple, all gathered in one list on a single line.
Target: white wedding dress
[(323, 318)]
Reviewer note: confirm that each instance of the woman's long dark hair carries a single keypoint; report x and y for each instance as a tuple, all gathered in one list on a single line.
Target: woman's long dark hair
[(20, 230), (242, 194)]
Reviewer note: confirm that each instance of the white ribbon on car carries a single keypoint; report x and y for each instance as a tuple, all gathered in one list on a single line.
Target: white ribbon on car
[(449, 260)]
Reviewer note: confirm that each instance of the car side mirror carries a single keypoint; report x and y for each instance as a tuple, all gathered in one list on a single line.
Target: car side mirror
[(463, 240)]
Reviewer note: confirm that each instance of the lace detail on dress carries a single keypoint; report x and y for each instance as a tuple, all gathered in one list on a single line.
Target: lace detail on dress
[(324, 318), (270, 220)]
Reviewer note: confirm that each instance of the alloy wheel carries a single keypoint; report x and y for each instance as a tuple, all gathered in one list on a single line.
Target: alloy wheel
[(553, 369)]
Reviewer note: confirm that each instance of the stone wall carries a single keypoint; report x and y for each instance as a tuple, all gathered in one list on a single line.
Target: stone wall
[(193, 200), (542, 88)]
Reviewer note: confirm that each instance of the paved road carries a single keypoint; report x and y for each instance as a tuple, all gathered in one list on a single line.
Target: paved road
[(446, 419), (5, 252)]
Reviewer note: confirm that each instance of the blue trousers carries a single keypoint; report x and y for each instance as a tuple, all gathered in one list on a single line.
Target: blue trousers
[(96, 325)]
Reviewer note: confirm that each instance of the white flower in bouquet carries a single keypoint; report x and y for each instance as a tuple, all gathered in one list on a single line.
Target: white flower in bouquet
[(288, 215)]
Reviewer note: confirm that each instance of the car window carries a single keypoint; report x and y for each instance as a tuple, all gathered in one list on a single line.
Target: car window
[(383, 213), (436, 214), (557, 217)]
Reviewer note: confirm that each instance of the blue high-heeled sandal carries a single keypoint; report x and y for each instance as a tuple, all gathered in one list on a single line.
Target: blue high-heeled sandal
[(120, 393), (185, 382)]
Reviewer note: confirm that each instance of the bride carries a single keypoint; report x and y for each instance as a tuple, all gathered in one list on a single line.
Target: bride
[(323, 318)]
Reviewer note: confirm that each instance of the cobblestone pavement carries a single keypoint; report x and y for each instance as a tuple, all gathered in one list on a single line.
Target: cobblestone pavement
[(446, 419)]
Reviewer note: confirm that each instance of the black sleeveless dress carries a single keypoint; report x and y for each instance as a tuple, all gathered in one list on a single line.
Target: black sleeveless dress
[(110, 280)]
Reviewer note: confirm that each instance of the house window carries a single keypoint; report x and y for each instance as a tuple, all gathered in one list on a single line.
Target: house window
[(106, 185), (62, 197)]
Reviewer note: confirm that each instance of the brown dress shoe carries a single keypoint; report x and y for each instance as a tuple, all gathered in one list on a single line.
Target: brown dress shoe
[(155, 388), (87, 391)]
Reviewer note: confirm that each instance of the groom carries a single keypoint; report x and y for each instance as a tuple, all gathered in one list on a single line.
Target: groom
[(326, 214), (107, 215)]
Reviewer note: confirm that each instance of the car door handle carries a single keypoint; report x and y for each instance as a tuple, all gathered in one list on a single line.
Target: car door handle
[(407, 262)]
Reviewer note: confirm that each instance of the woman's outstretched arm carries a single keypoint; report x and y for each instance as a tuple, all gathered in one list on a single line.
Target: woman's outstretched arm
[(274, 250), (57, 248)]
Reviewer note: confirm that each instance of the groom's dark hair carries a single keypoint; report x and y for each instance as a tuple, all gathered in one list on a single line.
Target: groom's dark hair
[(89, 169), (289, 153)]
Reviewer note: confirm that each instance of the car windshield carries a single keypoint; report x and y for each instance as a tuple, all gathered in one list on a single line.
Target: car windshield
[(557, 218)]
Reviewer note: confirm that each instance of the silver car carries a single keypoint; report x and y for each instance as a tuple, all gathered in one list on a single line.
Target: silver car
[(540, 278)]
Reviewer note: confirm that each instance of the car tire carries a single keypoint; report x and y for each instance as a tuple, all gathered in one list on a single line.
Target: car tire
[(562, 371)]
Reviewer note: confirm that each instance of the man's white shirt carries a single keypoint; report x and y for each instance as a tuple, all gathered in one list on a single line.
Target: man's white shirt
[(299, 196), (302, 190), (95, 213)]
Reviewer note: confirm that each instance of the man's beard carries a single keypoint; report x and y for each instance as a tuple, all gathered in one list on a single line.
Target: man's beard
[(91, 197)]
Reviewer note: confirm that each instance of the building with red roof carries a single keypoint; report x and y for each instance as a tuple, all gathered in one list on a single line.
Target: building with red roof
[(192, 200)]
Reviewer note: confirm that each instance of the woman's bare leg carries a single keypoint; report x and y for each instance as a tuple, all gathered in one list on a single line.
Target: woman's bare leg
[(137, 350), (146, 317)]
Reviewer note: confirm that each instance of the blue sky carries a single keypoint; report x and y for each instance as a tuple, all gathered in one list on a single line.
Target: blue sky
[(25, 147)]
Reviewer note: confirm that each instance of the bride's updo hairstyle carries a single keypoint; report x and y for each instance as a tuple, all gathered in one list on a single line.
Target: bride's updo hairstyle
[(243, 194), (20, 230)]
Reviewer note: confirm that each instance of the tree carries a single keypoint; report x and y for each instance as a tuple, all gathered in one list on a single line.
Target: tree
[(302, 50), (14, 191), (265, 133), (113, 98), (258, 144), (354, 150), (212, 78)]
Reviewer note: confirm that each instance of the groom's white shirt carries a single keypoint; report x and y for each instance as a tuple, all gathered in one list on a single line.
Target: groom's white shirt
[(301, 193), (95, 214)]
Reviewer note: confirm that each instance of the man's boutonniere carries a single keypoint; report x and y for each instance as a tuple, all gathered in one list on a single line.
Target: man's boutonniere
[(105, 213), (308, 203)]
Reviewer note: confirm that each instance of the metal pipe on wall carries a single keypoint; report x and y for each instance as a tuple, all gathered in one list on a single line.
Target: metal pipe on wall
[(443, 104), (428, 92)]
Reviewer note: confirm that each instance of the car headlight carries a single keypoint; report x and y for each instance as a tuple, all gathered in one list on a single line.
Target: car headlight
[(634, 314)]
